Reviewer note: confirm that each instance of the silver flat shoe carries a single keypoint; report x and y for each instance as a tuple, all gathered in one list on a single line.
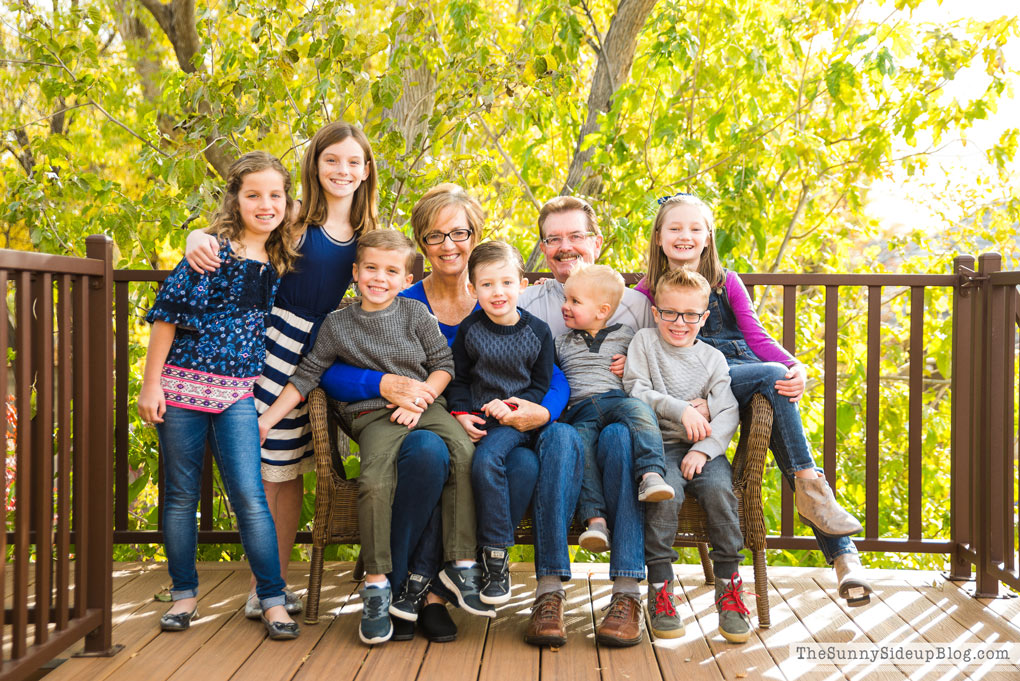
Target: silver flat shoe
[(178, 621)]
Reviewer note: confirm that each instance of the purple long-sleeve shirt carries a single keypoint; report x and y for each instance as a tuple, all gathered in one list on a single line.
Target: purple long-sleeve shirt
[(757, 338)]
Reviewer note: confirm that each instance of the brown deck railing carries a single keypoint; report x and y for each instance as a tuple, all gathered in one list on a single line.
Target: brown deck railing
[(62, 339)]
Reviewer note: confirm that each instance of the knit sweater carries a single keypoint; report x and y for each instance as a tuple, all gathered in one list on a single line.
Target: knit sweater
[(667, 377), (402, 339), (495, 362), (585, 360)]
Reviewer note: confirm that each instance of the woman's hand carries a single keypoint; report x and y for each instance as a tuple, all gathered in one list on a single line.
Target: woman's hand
[(151, 403), (468, 423), (527, 416), (202, 250), (407, 393), (793, 385)]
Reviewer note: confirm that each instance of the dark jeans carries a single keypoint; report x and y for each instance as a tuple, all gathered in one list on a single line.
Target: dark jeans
[(490, 480), (713, 488), (590, 417)]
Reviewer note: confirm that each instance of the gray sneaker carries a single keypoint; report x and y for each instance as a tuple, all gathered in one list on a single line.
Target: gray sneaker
[(734, 617), (376, 626), (466, 585), (663, 614), (595, 538), (653, 488)]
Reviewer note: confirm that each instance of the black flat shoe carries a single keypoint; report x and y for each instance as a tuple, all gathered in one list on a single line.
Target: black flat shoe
[(435, 622), (177, 621), (403, 630), (281, 631)]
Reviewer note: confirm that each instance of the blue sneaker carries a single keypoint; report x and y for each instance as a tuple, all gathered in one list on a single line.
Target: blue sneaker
[(376, 626), (466, 585)]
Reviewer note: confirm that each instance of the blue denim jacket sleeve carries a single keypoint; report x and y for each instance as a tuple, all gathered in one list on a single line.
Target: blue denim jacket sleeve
[(346, 383), (555, 401)]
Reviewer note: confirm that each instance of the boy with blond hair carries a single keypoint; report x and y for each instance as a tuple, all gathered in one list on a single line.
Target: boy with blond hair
[(668, 368), (397, 335)]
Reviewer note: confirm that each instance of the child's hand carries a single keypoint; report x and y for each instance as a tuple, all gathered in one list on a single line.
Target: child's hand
[(793, 385), (692, 464), (701, 405), (151, 403), (468, 423), (698, 427), (264, 428), (405, 417), (202, 252), (497, 409), (617, 366)]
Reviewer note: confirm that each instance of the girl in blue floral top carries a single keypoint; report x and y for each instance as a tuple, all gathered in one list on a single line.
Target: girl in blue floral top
[(206, 349)]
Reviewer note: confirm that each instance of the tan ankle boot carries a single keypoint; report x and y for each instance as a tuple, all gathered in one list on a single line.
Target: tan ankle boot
[(818, 508), (853, 583)]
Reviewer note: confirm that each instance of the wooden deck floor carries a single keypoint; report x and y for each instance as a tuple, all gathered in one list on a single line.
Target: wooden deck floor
[(911, 607)]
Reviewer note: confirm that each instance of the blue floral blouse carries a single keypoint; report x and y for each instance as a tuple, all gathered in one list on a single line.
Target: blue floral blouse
[(219, 346)]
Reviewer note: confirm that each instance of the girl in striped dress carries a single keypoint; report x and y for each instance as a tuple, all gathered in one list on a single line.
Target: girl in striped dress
[(338, 204)]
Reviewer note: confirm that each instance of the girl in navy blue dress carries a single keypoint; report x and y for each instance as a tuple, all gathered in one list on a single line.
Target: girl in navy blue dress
[(338, 204), (206, 350)]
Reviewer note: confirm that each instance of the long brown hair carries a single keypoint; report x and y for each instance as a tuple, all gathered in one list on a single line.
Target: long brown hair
[(227, 224), (709, 266), (314, 209)]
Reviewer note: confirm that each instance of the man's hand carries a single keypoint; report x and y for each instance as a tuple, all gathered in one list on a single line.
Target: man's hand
[(527, 416), (692, 464), (401, 391), (793, 385), (698, 427), (201, 250), (468, 423)]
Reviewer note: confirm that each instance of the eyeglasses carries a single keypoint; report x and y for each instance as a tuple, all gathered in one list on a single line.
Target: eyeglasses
[(687, 317), (665, 199), (575, 239), (436, 238)]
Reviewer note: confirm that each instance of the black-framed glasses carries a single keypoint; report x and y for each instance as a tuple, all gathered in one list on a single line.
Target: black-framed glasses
[(663, 199), (436, 238), (686, 317), (575, 239)]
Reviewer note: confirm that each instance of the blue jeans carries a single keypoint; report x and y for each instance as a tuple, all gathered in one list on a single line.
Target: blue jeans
[(491, 484), (713, 488), (560, 466), (624, 515), (788, 443), (590, 417), (233, 436), (423, 465)]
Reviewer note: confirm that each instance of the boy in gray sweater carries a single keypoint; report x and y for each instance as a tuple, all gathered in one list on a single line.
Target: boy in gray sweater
[(668, 368), (394, 335)]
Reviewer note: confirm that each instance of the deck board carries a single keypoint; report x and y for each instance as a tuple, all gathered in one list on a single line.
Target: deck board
[(908, 606)]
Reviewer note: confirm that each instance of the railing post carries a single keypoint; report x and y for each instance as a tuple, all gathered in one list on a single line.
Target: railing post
[(961, 515), (989, 525), (97, 531)]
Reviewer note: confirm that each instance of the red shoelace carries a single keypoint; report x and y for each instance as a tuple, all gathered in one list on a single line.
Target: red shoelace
[(663, 602), (730, 599)]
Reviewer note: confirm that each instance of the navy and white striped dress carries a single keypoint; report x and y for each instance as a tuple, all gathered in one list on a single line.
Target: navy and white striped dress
[(306, 295)]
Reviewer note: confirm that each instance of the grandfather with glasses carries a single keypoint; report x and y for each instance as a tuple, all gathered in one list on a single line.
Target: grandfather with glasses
[(569, 233)]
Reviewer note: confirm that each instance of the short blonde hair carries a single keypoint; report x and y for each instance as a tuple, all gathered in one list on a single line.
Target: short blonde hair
[(387, 240), (602, 280), (682, 280), (426, 211), (565, 204)]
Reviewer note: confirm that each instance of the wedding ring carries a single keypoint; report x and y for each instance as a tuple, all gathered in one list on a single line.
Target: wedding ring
[(417, 401)]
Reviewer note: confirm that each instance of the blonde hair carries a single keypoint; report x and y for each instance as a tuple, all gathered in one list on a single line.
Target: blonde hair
[(683, 280), (602, 280), (565, 204), (709, 265), (426, 211), (314, 209), (226, 223), (387, 240), (491, 252)]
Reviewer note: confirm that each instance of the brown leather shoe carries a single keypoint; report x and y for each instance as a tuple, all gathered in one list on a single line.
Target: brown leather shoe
[(546, 626), (621, 627)]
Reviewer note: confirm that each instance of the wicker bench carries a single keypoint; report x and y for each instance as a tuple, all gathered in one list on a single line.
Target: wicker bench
[(336, 500)]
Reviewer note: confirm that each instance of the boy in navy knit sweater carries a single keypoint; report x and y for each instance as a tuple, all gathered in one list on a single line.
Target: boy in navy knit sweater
[(501, 353)]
